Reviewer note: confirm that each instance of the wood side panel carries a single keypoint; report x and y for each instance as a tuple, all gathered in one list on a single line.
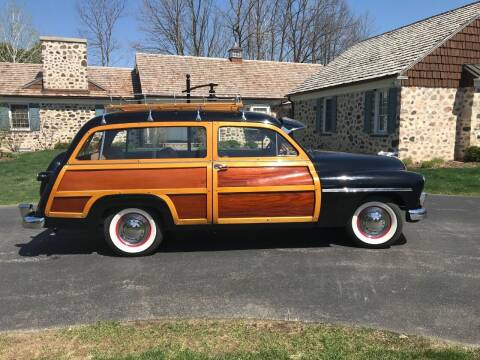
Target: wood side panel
[(443, 67), (124, 179), (69, 204), (236, 205), (190, 206), (265, 176)]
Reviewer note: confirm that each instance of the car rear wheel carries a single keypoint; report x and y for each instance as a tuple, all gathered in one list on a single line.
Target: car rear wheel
[(376, 224), (133, 232)]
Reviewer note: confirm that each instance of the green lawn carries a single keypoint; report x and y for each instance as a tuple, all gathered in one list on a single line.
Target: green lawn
[(225, 339), (18, 176), (453, 181), (19, 184)]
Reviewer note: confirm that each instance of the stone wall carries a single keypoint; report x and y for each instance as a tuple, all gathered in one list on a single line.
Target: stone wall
[(349, 136), (435, 122), (64, 64), (58, 123)]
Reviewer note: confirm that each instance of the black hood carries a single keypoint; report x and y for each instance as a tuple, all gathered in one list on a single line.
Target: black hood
[(338, 170), (330, 163)]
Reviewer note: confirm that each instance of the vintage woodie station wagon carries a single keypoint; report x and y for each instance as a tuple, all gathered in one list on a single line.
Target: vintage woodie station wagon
[(142, 169)]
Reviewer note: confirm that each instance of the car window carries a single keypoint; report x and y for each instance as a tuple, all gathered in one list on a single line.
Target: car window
[(146, 143), (236, 141)]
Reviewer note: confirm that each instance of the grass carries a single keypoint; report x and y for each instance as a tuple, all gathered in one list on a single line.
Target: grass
[(232, 339), (452, 181), (18, 176)]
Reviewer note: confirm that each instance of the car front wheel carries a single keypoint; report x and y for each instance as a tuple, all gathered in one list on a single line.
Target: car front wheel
[(133, 232), (376, 224)]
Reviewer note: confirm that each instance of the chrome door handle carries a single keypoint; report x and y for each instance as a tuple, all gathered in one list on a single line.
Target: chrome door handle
[(220, 167)]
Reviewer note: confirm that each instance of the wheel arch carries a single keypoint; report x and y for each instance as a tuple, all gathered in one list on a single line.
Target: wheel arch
[(104, 206)]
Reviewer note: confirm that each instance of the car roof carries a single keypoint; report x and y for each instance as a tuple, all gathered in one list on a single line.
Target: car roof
[(179, 116)]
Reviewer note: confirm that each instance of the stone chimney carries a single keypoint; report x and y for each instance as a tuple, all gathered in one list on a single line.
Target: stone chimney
[(235, 54), (64, 63)]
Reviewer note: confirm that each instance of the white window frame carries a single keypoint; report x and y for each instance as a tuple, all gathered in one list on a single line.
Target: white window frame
[(324, 115), (12, 128), (376, 113)]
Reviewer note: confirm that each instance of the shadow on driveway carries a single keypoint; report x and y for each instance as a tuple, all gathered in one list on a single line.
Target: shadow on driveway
[(87, 242)]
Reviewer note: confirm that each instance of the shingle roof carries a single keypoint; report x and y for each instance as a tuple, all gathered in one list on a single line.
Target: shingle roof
[(117, 82), (392, 52), (163, 75)]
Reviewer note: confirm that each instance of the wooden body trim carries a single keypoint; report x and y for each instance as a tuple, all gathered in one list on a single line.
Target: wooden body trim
[(303, 179), (193, 197)]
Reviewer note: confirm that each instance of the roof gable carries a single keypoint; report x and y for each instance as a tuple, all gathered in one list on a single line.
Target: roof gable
[(26, 80), (393, 52), (164, 75)]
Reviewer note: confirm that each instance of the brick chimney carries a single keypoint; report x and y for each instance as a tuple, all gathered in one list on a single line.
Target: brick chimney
[(64, 63), (235, 54)]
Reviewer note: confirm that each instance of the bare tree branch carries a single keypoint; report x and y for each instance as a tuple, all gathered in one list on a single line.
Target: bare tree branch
[(282, 30), (99, 18), (19, 41)]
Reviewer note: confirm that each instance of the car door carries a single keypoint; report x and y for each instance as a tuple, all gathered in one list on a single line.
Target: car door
[(260, 175), (170, 160)]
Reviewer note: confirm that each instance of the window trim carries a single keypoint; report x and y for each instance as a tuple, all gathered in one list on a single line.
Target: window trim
[(12, 128), (216, 138), (129, 126), (376, 113), (324, 116)]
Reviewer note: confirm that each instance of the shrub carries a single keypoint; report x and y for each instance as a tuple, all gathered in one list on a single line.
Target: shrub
[(432, 164), (61, 146), (408, 162), (472, 154), (229, 144)]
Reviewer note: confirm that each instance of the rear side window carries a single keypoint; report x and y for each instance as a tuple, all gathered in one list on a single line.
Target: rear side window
[(146, 143), (238, 141)]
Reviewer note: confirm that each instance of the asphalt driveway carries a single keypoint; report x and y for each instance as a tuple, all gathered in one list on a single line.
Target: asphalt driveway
[(428, 285)]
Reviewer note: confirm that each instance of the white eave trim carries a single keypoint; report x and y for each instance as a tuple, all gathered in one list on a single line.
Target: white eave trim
[(347, 89)]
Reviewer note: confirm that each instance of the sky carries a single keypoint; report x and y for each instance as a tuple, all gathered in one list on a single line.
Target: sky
[(58, 18)]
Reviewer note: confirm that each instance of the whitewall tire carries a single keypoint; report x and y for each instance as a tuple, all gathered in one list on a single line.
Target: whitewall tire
[(133, 232), (376, 224)]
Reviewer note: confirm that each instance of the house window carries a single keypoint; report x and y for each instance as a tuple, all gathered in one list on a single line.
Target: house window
[(328, 115), (380, 114), (19, 118)]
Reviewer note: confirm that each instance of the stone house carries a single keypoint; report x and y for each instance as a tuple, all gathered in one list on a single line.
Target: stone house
[(44, 104), (414, 91)]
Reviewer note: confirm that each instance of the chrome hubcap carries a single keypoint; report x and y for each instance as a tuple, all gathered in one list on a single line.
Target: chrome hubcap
[(374, 222), (133, 229)]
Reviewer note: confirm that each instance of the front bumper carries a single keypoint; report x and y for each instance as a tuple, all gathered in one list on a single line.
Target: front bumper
[(29, 219), (414, 215)]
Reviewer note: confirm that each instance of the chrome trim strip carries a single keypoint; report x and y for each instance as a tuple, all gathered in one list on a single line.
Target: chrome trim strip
[(355, 190)]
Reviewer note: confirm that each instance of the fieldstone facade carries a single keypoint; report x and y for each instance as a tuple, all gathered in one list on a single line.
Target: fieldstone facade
[(64, 64), (438, 122), (431, 123), (349, 135), (59, 124)]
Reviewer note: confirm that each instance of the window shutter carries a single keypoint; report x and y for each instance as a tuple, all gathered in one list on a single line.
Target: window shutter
[(392, 110), (99, 110), (34, 115), (367, 118), (334, 114), (4, 117), (319, 117)]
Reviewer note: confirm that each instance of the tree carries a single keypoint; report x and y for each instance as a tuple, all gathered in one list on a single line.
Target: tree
[(19, 41), (99, 18), (314, 31), (181, 27)]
